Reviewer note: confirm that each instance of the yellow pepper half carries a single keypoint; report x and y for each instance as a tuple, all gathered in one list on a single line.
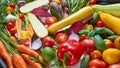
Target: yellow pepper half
[(24, 34)]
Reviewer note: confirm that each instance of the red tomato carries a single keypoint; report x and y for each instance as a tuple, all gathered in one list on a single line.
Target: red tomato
[(12, 31), (109, 43), (21, 16), (51, 20), (114, 66), (9, 25), (96, 63), (61, 37), (100, 24), (96, 54), (89, 43), (92, 2), (12, 5), (82, 37), (48, 41)]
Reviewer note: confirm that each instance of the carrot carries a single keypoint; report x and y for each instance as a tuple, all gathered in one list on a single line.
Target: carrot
[(30, 29), (18, 25), (18, 61), (4, 54), (13, 39), (26, 50), (31, 62)]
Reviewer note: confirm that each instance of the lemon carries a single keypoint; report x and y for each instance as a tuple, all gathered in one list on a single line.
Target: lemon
[(111, 55)]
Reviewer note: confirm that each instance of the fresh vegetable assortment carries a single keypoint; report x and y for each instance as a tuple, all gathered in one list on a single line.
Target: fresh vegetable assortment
[(60, 34)]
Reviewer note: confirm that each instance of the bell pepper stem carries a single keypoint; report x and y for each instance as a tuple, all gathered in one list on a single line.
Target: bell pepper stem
[(66, 56)]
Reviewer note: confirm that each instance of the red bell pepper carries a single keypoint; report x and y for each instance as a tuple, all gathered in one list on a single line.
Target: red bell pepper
[(70, 52)]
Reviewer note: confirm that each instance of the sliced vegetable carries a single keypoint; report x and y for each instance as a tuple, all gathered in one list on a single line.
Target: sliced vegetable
[(38, 27), (80, 15), (35, 4), (36, 44)]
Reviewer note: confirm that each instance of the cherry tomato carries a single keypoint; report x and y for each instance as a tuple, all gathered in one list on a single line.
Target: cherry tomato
[(82, 37), (51, 20), (12, 5), (9, 9), (114, 66), (92, 2), (96, 63), (109, 43), (9, 25), (61, 37), (96, 54), (48, 41), (12, 31), (89, 43), (21, 16), (100, 24)]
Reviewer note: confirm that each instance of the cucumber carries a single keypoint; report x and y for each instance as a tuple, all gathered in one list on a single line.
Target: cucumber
[(38, 27), (99, 43), (109, 32), (113, 9), (32, 5), (84, 62)]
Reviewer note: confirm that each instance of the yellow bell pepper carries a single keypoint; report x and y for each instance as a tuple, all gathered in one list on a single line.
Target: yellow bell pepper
[(24, 34)]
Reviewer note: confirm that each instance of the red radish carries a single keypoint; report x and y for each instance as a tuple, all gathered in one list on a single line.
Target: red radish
[(48, 41), (74, 36), (61, 37), (36, 44), (76, 27)]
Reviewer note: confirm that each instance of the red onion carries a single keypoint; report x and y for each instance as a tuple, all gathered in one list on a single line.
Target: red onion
[(36, 44), (73, 35)]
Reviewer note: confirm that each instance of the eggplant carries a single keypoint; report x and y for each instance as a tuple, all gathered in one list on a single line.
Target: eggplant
[(2, 63)]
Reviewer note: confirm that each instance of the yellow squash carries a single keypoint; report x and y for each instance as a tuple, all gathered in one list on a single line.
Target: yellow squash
[(78, 16), (111, 22), (111, 55)]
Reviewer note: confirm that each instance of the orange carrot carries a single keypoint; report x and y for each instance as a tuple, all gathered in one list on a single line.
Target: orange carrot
[(30, 29), (26, 50), (31, 62), (13, 39), (18, 61), (18, 25), (4, 54)]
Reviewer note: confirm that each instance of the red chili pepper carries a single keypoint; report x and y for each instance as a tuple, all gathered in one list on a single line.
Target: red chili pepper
[(73, 49)]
